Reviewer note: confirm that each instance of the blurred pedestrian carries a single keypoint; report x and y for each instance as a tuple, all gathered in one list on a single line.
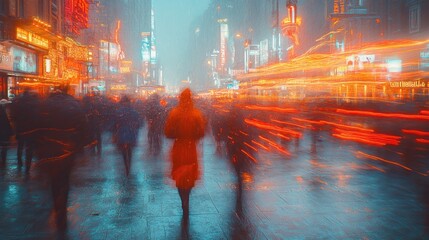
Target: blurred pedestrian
[(239, 150), (155, 114), (5, 131), (58, 140), (127, 124), (24, 114), (185, 124), (92, 108)]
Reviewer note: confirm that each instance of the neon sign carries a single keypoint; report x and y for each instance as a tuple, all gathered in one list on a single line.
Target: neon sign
[(31, 38)]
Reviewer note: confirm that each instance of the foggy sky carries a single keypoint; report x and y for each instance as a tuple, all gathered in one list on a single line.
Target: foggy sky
[(172, 26)]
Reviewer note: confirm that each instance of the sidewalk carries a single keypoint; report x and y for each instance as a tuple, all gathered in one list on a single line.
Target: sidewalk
[(328, 195)]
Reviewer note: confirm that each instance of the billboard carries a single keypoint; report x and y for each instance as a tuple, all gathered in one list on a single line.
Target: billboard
[(145, 49), (6, 58), (109, 55), (76, 15), (223, 46), (359, 62), (24, 60)]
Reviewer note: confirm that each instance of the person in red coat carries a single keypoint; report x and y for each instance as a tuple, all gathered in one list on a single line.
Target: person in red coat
[(185, 124)]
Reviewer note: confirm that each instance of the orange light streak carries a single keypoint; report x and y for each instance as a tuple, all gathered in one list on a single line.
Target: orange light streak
[(422, 140), (288, 123), (416, 132), (279, 135), (372, 138), (358, 139), (245, 134), (267, 126), (250, 146), (346, 126), (372, 157), (271, 109), (250, 156), (260, 145), (276, 146), (312, 69), (307, 121), (386, 115), (424, 112), (376, 168)]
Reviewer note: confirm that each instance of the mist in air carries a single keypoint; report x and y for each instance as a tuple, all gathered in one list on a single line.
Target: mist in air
[(173, 20)]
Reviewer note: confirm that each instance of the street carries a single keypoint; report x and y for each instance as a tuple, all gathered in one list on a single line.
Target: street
[(327, 188)]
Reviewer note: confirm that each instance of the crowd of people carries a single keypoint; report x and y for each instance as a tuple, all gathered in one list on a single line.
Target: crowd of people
[(55, 129)]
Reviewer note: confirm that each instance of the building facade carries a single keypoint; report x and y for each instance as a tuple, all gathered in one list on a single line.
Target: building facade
[(35, 49)]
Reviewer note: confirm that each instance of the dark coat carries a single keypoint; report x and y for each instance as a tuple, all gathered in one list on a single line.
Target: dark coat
[(5, 127), (127, 124), (24, 113), (61, 125)]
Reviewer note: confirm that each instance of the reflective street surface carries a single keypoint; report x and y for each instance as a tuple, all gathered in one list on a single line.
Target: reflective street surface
[(318, 185)]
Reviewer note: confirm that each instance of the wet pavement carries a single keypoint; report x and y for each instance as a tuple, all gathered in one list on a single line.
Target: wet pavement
[(322, 191)]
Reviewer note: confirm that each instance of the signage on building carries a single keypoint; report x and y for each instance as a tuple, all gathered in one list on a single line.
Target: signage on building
[(359, 62), (339, 6), (119, 87), (223, 45), (424, 60), (24, 60), (31, 38), (125, 66), (109, 58), (76, 15), (145, 51), (410, 84), (6, 59)]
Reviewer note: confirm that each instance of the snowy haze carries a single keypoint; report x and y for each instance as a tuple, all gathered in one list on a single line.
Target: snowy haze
[(172, 27)]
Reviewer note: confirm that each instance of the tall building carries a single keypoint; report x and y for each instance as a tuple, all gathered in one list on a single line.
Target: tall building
[(115, 31), (354, 23), (406, 19)]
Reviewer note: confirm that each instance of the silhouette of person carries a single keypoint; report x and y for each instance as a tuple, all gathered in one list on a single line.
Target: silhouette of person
[(5, 132), (24, 110), (58, 139), (127, 124), (155, 118), (92, 108), (239, 136), (186, 125)]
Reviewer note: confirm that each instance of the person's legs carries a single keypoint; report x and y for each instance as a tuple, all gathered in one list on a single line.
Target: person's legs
[(19, 150), (3, 146), (60, 176), (29, 148), (184, 197), (125, 155)]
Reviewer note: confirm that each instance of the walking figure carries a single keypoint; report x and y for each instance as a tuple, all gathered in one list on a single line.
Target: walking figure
[(58, 140), (24, 111), (155, 121), (185, 124), (127, 124), (5, 131)]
